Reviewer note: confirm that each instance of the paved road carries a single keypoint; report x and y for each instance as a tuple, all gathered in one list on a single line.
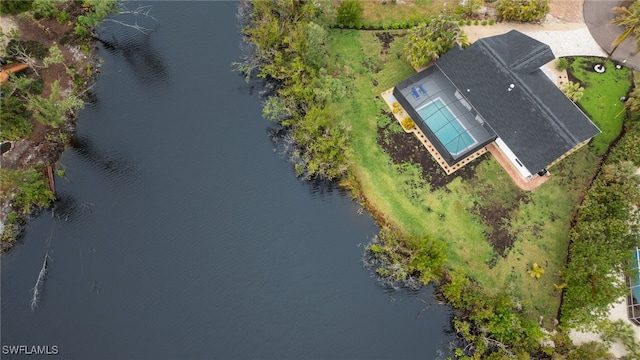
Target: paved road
[(598, 16)]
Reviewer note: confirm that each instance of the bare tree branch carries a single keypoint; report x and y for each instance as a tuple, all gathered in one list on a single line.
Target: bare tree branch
[(21, 54), (141, 10), (133, 26), (40, 282)]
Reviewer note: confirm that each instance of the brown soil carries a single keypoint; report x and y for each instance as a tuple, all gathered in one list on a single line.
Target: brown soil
[(403, 147), (45, 145), (496, 217), (386, 38)]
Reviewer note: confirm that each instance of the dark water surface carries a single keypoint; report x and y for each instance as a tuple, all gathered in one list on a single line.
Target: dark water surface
[(181, 234)]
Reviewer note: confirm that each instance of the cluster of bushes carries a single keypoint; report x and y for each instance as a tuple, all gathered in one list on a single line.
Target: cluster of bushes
[(476, 22), (606, 230), (29, 190), (601, 245), (573, 91), (15, 6), (522, 10), (494, 326), (499, 327), (386, 26), (289, 39), (398, 258), (428, 41)]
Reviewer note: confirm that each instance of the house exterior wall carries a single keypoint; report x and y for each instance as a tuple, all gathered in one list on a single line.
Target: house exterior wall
[(524, 172)]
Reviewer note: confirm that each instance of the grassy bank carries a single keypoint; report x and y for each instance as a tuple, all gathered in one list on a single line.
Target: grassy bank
[(494, 231)]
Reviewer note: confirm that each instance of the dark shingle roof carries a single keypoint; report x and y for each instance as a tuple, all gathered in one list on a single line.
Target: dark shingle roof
[(535, 119)]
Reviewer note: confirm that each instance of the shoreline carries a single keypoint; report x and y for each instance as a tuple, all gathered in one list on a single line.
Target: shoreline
[(42, 149)]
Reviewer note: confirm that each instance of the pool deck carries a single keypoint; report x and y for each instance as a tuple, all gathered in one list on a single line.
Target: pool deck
[(524, 184)]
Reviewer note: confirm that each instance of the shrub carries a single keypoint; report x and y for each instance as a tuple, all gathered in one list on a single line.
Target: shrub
[(427, 42), (468, 22), (522, 10), (44, 8), (30, 188), (461, 23), (475, 22), (14, 119), (15, 6), (34, 48), (468, 7), (408, 123), (562, 64), (491, 22), (349, 11), (484, 22), (573, 91)]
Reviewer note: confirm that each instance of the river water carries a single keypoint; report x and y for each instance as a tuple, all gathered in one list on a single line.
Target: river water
[(180, 233)]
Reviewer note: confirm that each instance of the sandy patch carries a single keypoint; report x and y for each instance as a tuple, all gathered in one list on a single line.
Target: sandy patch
[(567, 10), (6, 24)]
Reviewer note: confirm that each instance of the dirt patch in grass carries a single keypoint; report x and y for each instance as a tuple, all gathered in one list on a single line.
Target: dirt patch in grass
[(496, 217), (386, 39), (403, 147), (496, 213)]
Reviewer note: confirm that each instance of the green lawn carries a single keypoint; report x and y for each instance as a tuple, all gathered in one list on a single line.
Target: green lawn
[(414, 11), (539, 221), (601, 99)]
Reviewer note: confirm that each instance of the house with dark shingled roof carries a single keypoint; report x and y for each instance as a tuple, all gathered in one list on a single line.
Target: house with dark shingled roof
[(494, 92)]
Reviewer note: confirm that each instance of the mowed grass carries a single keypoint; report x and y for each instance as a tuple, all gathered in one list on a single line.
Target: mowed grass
[(539, 221), (601, 99)]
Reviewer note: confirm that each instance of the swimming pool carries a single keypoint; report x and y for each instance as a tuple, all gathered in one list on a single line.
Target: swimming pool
[(446, 127)]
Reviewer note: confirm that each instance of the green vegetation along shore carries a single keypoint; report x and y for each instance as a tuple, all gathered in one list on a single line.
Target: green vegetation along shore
[(499, 254), (56, 40)]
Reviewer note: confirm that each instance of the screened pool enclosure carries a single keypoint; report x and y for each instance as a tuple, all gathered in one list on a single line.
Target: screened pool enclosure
[(443, 114), (633, 301)]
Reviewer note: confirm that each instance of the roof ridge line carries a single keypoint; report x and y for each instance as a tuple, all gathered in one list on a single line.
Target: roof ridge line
[(530, 57), (555, 121)]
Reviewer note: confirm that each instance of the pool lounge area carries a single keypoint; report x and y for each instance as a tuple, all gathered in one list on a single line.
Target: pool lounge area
[(450, 123)]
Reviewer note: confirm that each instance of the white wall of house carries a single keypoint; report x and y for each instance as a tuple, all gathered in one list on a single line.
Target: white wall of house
[(512, 157)]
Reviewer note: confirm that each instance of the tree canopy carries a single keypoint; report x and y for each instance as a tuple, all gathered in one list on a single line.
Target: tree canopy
[(629, 18), (428, 41)]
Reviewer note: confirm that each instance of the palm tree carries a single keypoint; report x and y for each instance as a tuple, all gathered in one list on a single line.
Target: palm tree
[(629, 18)]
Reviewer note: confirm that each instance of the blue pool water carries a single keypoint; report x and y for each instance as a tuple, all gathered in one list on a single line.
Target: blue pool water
[(445, 126)]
